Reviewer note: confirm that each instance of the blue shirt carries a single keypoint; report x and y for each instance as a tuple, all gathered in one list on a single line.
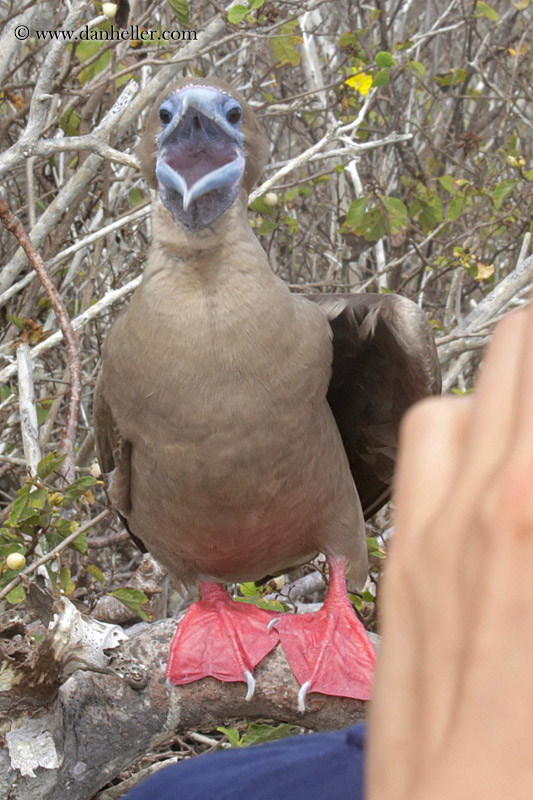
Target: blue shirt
[(320, 766)]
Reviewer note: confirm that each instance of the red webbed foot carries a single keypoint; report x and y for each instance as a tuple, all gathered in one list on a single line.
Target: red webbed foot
[(329, 651), (221, 638)]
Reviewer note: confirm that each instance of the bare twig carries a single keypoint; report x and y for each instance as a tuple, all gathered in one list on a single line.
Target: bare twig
[(108, 540), (335, 131), (28, 412), (13, 224), (138, 214), (78, 322)]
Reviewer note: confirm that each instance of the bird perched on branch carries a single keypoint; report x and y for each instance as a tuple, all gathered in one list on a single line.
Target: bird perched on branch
[(246, 428)]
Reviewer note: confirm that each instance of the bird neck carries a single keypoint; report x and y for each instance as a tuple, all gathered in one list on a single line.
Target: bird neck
[(203, 250)]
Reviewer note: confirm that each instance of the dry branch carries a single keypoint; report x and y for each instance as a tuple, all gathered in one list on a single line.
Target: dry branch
[(138, 214), (103, 718), (27, 410), (68, 439), (124, 113), (482, 317)]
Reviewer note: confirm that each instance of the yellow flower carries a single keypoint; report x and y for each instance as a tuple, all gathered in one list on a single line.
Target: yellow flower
[(360, 81), (484, 271)]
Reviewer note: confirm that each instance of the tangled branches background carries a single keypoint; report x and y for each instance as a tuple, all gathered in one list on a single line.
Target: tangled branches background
[(401, 149)]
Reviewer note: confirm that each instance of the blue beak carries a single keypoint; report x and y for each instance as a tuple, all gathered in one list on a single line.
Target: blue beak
[(201, 147)]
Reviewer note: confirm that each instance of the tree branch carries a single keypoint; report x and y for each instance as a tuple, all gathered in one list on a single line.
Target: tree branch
[(68, 439), (104, 718)]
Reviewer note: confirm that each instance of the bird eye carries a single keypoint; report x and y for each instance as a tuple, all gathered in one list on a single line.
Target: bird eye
[(234, 115), (164, 115)]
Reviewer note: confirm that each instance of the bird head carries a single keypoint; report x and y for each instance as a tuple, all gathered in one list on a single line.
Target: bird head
[(202, 144)]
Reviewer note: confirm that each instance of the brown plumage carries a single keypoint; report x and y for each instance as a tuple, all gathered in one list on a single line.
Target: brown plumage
[(210, 414)]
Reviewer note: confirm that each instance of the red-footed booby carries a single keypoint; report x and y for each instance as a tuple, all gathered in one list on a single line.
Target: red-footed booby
[(245, 428)]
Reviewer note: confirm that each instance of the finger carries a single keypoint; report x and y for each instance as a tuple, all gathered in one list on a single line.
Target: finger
[(496, 401), (431, 440), (431, 443), (524, 421)]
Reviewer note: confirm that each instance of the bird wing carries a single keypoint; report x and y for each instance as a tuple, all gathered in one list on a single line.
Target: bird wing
[(384, 360), (114, 456)]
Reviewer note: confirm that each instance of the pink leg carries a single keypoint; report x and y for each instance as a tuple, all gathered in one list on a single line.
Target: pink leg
[(329, 652), (222, 638)]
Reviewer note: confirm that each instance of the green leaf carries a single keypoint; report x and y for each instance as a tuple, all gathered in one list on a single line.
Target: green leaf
[(397, 213), (79, 544), (260, 207), (487, 11), (374, 548), (356, 212), (65, 581), (12, 547), (432, 214), (38, 499), (374, 226), (356, 600), (93, 570), (79, 487), (284, 47), (430, 209), (18, 322), (249, 589), (447, 182), (237, 13), (252, 595), (132, 599), (384, 60), (502, 191), (257, 733), (49, 464), (290, 222), (232, 735), (16, 595), (418, 67), (266, 226), (269, 605), (290, 194), (455, 208), (181, 10), (136, 197), (348, 39), (43, 409), (70, 122), (63, 528), (19, 510), (85, 50), (370, 224), (256, 4), (381, 78)]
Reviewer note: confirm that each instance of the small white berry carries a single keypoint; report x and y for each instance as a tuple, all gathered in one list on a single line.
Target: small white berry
[(271, 199), (95, 470), (109, 9), (15, 561)]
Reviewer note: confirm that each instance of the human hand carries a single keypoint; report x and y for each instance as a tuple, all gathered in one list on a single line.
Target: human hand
[(452, 715)]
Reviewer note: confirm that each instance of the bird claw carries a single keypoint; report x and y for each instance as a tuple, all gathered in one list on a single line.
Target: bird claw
[(272, 623), (250, 681), (302, 694)]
